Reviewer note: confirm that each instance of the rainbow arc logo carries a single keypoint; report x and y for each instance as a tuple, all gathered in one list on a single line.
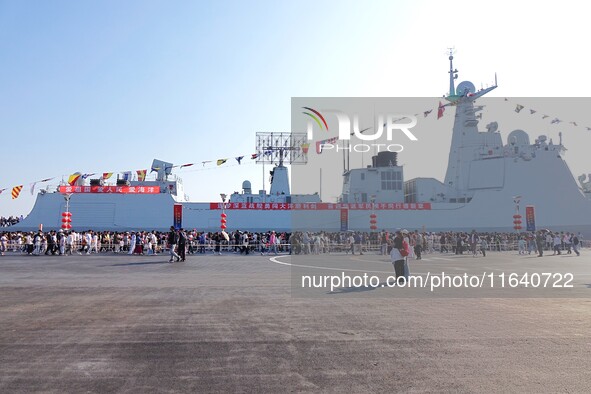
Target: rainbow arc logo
[(317, 116)]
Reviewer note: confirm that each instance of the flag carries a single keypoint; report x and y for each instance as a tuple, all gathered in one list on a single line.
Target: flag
[(33, 188), (221, 161), (107, 175), (206, 161), (518, 108), (254, 156), (305, 147), (239, 158), (87, 175), (72, 179), (330, 141), (426, 113), (16, 191), (126, 175), (440, 110), (268, 152), (1, 190), (187, 165), (141, 175)]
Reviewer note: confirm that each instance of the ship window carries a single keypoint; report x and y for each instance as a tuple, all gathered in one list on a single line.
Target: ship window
[(391, 180), (363, 197), (362, 176)]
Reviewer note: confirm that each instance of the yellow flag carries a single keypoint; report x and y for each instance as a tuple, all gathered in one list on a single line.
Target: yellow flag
[(16, 191)]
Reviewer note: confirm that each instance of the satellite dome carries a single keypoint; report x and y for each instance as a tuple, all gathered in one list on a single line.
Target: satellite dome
[(518, 138), (246, 187), (465, 87)]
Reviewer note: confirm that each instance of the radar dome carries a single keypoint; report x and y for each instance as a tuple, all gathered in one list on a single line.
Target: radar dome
[(465, 87), (246, 187), (518, 138)]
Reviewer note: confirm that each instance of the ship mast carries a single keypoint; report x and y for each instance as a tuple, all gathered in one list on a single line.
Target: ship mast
[(453, 74), (466, 139)]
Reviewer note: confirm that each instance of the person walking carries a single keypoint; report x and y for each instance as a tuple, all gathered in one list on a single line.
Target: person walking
[(540, 243), (557, 244), (3, 244), (37, 241), (132, 243), (172, 244), (576, 244), (182, 244), (396, 256), (483, 245)]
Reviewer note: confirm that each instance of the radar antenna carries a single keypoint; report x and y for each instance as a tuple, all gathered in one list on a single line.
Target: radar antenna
[(280, 147)]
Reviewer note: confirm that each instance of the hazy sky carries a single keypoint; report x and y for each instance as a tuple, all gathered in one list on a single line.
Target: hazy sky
[(110, 85)]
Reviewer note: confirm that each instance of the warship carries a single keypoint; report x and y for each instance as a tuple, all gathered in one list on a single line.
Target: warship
[(486, 181)]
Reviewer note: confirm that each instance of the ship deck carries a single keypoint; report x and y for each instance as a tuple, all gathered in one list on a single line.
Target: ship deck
[(117, 323)]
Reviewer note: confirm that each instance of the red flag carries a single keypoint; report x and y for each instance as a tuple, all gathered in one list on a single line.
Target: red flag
[(141, 175), (440, 110)]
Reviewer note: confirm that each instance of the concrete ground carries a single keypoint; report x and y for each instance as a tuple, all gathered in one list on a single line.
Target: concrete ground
[(122, 324)]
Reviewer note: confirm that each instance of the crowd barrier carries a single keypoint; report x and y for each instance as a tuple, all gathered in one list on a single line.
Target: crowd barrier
[(296, 248)]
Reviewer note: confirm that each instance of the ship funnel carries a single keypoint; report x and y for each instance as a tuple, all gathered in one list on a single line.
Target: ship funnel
[(385, 159)]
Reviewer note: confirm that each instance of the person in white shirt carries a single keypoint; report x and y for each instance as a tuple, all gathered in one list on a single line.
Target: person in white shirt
[(396, 255), (132, 243), (29, 243), (3, 244), (557, 242)]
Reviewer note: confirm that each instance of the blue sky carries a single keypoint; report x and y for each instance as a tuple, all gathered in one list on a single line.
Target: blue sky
[(110, 85)]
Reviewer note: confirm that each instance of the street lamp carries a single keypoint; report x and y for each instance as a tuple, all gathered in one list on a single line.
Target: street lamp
[(67, 215), (223, 215), (373, 217), (517, 216)]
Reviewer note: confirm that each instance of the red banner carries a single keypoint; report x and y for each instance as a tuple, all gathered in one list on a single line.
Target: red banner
[(177, 214), (530, 218), (344, 219), (111, 189), (323, 206)]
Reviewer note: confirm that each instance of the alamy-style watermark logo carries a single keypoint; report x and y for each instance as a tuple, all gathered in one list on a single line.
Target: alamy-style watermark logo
[(388, 123)]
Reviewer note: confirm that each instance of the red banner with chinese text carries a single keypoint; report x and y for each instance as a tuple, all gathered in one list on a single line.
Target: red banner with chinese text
[(111, 189), (323, 206)]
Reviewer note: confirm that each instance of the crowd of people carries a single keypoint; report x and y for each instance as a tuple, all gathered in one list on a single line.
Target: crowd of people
[(9, 221), (183, 242), (431, 242), (176, 242)]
